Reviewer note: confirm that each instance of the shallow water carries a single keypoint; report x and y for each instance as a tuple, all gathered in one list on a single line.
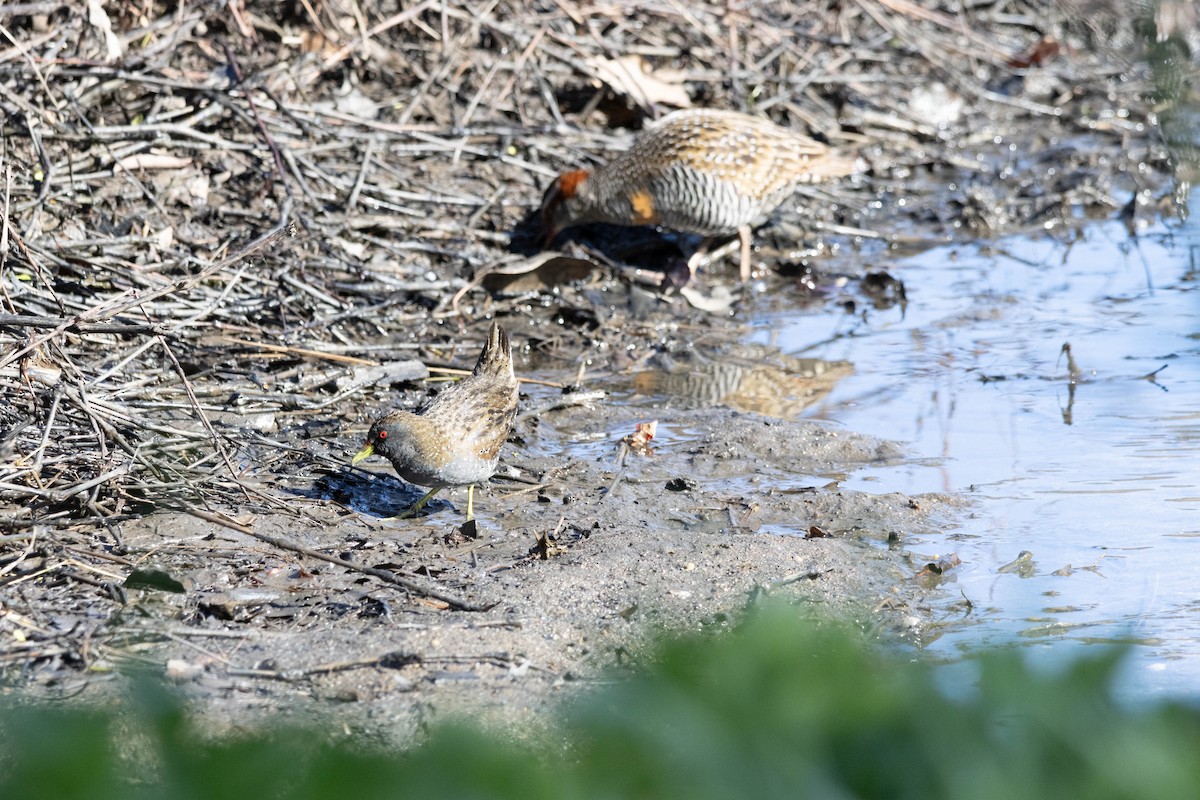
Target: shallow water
[(1099, 481)]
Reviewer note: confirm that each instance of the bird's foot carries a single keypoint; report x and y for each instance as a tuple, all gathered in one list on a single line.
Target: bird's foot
[(415, 508)]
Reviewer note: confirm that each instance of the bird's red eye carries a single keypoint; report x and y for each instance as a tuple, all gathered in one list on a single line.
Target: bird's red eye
[(382, 435)]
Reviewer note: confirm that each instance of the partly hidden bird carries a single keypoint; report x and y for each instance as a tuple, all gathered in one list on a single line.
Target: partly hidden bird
[(708, 172), (455, 440)]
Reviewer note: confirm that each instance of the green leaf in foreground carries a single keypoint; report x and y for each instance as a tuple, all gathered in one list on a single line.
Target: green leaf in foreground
[(154, 579), (778, 709)]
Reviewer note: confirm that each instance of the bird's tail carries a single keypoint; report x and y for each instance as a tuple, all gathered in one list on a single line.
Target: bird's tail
[(496, 356)]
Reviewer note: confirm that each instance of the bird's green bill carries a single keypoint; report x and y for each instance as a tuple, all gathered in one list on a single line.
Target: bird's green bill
[(366, 452)]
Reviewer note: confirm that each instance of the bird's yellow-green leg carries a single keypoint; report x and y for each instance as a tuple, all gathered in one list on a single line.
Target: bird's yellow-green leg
[(470, 502), (417, 506)]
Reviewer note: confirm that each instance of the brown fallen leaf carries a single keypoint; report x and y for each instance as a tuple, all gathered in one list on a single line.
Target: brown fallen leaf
[(628, 75), (525, 274), (941, 566), (638, 442), (543, 271)]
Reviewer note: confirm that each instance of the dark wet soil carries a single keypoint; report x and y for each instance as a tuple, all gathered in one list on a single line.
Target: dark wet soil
[(570, 575)]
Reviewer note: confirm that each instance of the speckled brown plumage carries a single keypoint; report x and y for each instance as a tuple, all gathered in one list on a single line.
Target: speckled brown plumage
[(714, 173), (456, 439)]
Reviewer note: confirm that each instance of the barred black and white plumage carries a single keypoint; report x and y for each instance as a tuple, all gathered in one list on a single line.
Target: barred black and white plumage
[(713, 173)]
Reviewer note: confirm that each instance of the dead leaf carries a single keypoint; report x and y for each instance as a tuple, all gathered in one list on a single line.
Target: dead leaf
[(639, 441), (98, 19), (628, 76), (941, 566), (1022, 565), (155, 580), (543, 271)]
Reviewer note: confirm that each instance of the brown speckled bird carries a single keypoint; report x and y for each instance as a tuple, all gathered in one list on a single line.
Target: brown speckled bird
[(456, 439), (714, 173)]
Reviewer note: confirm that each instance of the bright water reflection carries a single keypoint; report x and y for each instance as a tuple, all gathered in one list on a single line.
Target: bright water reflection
[(1103, 487)]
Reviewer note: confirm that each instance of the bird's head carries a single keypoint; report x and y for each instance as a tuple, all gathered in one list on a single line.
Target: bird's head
[(564, 203), (390, 437)]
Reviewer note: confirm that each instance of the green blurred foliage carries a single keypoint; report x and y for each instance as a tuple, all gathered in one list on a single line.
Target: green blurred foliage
[(778, 709)]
